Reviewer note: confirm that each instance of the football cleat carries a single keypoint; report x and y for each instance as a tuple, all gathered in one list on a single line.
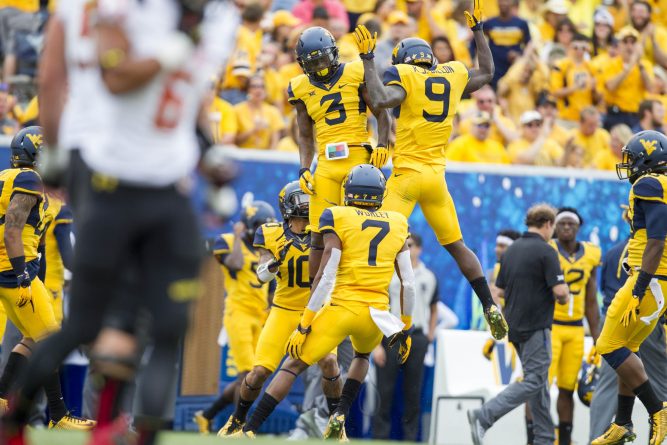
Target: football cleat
[(616, 435), (4, 406), (496, 322), (72, 423), (203, 424), (476, 429), (115, 433), (240, 434), (232, 426), (658, 423), (336, 428)]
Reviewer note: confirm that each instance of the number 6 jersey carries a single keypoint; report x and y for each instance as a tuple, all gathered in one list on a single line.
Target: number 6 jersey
[(424, 119), (370, 241)]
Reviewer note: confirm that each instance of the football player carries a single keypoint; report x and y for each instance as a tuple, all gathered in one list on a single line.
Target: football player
[(579, 261), (247, 299), (331, 111), (639, 304), (283, 250), (363, 246), (26, 300), (425, 95)]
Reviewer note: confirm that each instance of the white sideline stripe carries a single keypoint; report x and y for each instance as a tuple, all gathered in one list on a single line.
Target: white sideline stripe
[(461, 167)]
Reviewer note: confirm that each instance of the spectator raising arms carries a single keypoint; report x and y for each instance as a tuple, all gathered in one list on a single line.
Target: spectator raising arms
[(259, 124)]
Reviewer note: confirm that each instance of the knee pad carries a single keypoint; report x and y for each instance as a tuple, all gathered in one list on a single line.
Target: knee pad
[(617, 357)]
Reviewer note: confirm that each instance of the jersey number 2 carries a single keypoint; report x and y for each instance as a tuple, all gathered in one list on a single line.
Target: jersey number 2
[(373, 247), (437, 97)]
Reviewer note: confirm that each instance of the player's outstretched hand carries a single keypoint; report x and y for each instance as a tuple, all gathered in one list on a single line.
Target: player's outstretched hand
[(306, 181), (630, 313), (295, 343), (475, 19), (379, 156), (283, 245), (365, 41), (404, 342)]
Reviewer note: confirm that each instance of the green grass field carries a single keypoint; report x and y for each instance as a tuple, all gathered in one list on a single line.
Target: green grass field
[(44, 437)]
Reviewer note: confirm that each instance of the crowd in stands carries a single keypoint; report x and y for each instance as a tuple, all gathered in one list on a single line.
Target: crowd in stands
[(573, 81)]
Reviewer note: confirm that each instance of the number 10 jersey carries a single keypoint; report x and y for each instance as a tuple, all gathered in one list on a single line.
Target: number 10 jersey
[(424, 119)]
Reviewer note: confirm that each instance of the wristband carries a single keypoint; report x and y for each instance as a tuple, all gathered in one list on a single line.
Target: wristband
[(18, 264), (479, 26), (407, 320), (303, 330), (367, 56), (643, 280), (303, 170), (307, 318)]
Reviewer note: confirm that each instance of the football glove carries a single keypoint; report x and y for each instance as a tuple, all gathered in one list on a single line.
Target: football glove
[(404, 342), (594, 357), (379, 156), (488, 347), (475, 19), (365, 42), (297, 339), (25, 292), (306, 181), (631, 311)]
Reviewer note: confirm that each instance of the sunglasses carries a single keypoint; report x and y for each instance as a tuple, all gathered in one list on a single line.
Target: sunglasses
[(533, 124), (484, 125)]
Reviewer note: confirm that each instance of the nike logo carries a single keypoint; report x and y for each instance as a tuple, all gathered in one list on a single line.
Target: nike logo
[(342, 85), (398, 174)]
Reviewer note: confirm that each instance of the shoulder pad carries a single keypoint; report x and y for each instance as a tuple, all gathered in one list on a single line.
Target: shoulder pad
[(649, 188)]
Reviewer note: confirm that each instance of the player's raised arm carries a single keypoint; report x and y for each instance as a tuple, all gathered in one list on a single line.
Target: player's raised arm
[(484, 74), (379, 95)]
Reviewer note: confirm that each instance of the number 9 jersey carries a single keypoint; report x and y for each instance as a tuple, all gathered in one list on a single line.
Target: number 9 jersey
[(424, 119)]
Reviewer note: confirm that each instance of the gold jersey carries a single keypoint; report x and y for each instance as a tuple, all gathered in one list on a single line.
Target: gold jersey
[(337, 108), (22, 180), (577, 269), (424, 119), (370, 243), (293, 283), (650, 188), (57, 213), (243, 288)]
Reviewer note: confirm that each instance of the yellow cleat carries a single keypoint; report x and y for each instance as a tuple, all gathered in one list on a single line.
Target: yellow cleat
[(336, 428), (232, 426), (72, 423), (202, 422), (4, 406), (616, 435), (658, 423), (496, 322), (240, 434)]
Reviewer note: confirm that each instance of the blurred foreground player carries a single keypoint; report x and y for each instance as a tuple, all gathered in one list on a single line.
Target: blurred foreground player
[(425, 96), (156, 59), (362, 247), (246, 301), (27, 302), (283, 250), (640, 303)]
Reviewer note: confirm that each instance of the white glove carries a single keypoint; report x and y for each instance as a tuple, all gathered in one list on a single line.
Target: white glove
[(52, 165), (175, 51)]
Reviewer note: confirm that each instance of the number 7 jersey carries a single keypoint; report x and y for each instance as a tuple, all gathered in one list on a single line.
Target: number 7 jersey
[(370, 241), (424, 119)]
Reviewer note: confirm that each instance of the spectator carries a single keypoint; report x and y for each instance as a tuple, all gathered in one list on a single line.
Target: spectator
[(442, 49), (607, 159), (573, 155), (651, 116), (335, 9), (522, 84), (259, 124), (564, 35), (347, 49), (8, 126), (653, 38), (424, 320), (234, 90), (266, 67), (249, 37), (16, 17), (400, 27), (603, 31), (223, 120), (534, 146), (554, 12), (283, 22), (477, 146), (590, 136), (502, 128), (546, 106), (659, 91), (288, 142), (572, 80), (382, 11), (626, 79), (355, 9), (581, 13), (320, 17), (508, 35)]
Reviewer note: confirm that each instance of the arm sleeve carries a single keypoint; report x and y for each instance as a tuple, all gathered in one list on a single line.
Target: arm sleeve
[(656, 218), (62, 233), (327, 222), (553, 274), (407, 282), (326, 283)]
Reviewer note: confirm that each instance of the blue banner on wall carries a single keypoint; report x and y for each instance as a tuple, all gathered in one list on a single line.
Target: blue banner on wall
[(488, 199)]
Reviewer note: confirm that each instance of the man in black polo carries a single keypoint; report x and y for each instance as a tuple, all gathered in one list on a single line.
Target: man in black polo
[(531, 279)]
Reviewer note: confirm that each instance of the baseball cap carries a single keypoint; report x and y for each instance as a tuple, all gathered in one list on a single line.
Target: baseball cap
[(481, 117), (396, 17), (284, 18), (241, 68), (627, 31), (530, 116), (557, 7), (603, 16)]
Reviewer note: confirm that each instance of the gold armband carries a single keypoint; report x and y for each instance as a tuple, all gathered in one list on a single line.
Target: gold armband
[(112, 58)]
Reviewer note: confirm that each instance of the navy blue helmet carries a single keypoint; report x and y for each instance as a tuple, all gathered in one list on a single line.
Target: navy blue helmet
[(26, 146), (364, 187), (413, 51), (256, 214), (645, 153), (317, 53), (293, 202), (590, 375)]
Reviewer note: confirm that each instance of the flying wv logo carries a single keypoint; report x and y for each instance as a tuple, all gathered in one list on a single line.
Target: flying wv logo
[(649, 146), (504, 363)]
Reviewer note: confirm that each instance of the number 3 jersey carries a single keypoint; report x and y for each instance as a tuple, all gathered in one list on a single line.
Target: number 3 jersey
[(577, 269), (370, 243), (293, 283), (153, 139), (424, 119), (337, 108)]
